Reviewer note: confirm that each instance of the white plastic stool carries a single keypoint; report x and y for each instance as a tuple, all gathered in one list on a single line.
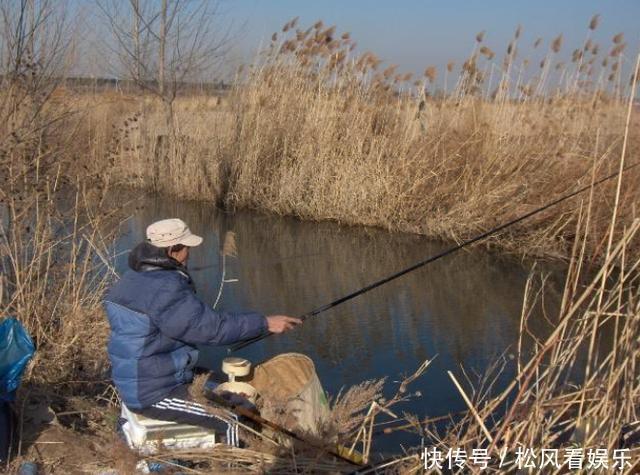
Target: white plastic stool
[(148, 436)]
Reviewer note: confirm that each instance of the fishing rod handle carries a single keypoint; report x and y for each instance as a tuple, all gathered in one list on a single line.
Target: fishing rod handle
[(262, 336), (239, 410), (243, 343)]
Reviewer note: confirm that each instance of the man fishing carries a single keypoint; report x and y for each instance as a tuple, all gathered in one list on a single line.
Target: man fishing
[(156, 322)]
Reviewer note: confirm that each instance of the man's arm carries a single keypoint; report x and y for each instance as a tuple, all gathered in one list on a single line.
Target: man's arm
[(181, 315)]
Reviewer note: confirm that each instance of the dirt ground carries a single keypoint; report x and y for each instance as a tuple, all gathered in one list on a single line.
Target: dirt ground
[(71, 442)]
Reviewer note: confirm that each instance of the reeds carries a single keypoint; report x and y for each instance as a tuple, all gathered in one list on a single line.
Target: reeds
[(552, 404), (54, 255), (570, 391), (317, 131)]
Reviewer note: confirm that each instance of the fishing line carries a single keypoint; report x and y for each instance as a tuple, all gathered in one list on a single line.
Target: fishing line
[(451, 250)]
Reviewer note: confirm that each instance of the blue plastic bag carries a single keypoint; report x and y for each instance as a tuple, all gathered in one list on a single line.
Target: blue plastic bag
[(16, 349)]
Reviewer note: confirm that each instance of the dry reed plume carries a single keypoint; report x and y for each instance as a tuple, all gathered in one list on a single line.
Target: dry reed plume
[(314, 130)]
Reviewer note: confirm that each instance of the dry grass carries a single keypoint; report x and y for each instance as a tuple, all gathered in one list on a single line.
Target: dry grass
[(574, 390), (347, 412), (557, 400), (312, 130), (53, 259), (51, 234)]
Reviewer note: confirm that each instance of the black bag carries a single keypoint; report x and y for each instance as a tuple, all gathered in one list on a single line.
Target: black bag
[(6, 429)]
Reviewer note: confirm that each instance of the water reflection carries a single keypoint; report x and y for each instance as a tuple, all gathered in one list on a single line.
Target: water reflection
[(465, 308)]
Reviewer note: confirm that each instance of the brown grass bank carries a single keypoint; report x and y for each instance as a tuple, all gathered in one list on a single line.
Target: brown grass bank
[(312, 130)]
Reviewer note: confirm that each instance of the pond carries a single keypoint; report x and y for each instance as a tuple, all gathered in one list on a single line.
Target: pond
[(463, 311)]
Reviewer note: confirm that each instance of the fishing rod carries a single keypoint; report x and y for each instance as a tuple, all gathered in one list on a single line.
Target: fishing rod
[(239, 410), (451, 250)]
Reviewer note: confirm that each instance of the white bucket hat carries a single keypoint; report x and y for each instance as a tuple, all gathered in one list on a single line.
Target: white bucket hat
[(170, 232)]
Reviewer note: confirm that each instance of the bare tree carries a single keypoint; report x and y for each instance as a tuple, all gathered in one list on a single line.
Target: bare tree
[(135, 4), (35, 36), (162, 38), (163, 45)]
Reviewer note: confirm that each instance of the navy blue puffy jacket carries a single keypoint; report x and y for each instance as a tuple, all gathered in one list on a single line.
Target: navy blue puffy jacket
[(156, 320)]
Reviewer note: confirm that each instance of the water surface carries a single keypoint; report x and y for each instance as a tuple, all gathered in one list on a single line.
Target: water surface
[(463, 310)]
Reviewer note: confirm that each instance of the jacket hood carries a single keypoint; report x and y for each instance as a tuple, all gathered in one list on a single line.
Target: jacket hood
[(147, 257)]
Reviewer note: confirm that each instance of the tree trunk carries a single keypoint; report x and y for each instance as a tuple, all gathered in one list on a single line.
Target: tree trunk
[(163, 43), (136, 40), (165, 147)]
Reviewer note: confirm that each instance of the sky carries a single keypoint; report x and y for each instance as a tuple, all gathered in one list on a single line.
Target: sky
[(418, 33)]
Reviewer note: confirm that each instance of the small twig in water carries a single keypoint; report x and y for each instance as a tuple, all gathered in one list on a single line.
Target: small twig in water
[(229, 248)]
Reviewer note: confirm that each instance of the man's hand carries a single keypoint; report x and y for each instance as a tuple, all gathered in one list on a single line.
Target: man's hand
[(281, 323)]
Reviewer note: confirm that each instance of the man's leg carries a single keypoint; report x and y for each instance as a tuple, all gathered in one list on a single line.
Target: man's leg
[(179, 407)]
